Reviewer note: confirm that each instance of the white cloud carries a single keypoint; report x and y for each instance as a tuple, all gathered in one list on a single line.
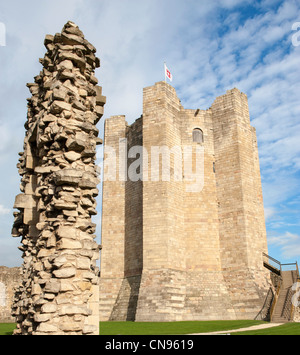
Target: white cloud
[(269, 213), (278, 186), (4, 210), (288, 243)]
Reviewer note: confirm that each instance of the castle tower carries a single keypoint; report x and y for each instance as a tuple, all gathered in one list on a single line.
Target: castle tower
[(183, 237)]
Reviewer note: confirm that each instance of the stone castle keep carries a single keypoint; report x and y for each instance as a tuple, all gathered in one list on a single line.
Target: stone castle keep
[(170, 254)]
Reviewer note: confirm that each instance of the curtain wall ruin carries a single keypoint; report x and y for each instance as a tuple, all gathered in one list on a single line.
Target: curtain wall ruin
[(59, 292)]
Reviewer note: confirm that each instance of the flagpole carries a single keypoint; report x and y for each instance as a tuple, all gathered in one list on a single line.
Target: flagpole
[(165, 72)]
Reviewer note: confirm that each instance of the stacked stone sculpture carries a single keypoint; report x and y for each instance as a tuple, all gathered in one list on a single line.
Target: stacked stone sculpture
[(59, 292)]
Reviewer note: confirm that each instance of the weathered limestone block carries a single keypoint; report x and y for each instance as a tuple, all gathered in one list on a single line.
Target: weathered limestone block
[(72, 156), (49, 308), (77, 143), (68, 176), (72, 310), (52, 286), (47, 328), (59, 178), (68, 244), (69, 232), (58, 106), (65, 273), (23, 201)]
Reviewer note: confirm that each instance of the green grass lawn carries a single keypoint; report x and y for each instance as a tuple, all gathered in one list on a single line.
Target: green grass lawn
[(175, 328), (7, 328), (171, 328)]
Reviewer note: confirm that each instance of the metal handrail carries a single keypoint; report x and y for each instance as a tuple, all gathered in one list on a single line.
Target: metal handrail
[(289, 311), (270, 257), (290, 264), (264, 313), (280, 264)]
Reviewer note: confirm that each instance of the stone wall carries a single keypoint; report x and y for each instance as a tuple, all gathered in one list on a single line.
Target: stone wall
[(297, 315), (9, 279), (242, 232), (122, 224), (296, 302), (134, 203), (59, 291), (113, 219)]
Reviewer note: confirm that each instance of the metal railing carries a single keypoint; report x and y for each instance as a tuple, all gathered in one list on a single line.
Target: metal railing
[(268, 260), (277, 267), (287, 309), (289, 267), (265, 313)]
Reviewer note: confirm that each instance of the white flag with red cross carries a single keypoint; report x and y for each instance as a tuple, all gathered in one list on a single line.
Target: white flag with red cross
[(168, 74)]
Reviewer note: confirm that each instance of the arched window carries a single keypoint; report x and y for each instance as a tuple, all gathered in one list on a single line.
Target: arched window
[(198, 135)]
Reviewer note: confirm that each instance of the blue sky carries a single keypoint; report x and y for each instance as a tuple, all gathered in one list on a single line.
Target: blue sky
[(210, 47)]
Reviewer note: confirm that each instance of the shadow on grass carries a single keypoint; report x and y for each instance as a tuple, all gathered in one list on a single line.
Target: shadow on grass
[(7, 328)]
